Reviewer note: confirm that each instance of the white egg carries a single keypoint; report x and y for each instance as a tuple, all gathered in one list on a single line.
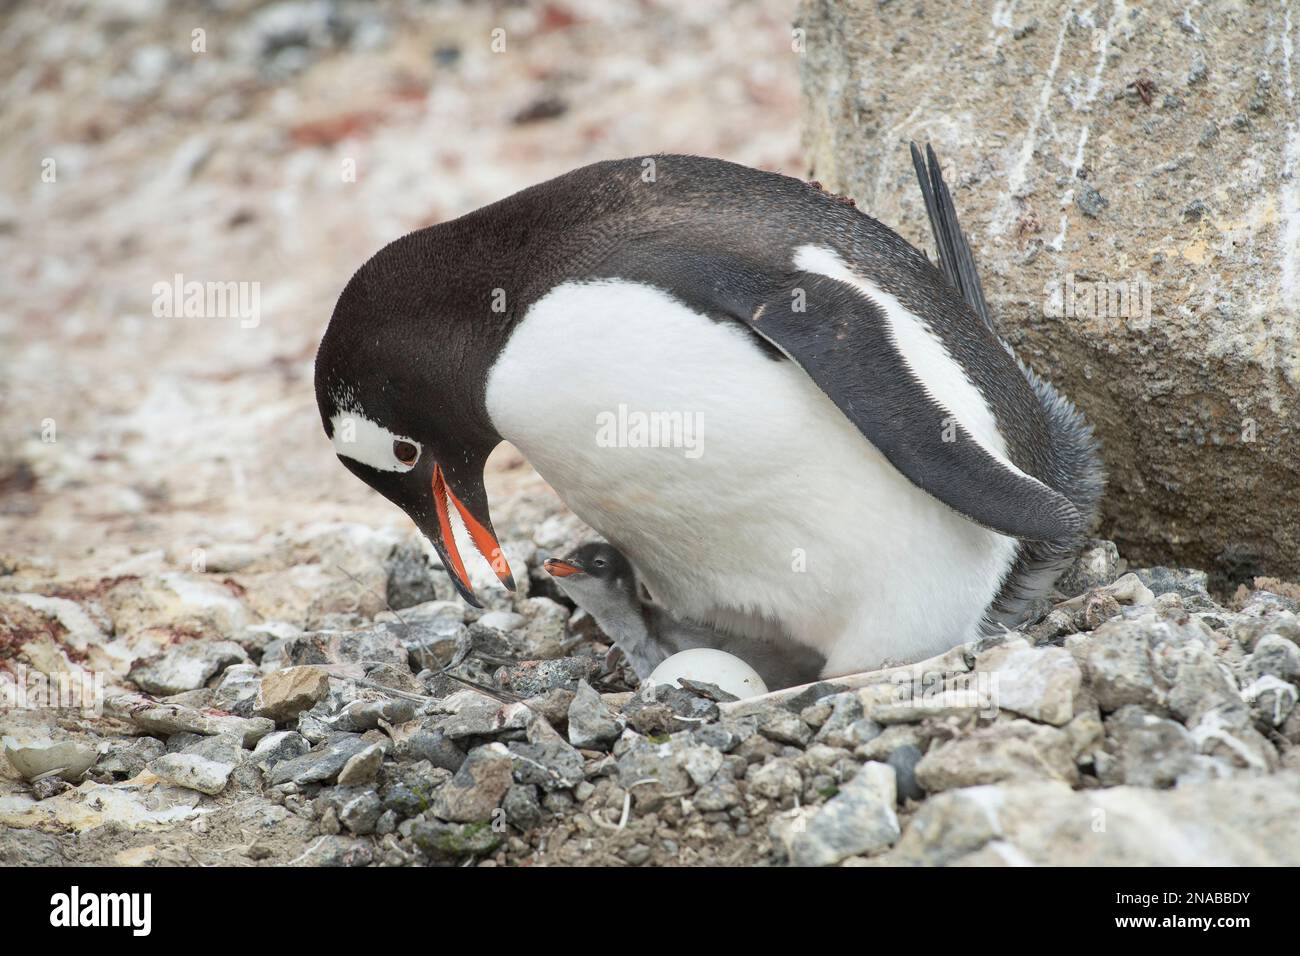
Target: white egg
[(710, 666)]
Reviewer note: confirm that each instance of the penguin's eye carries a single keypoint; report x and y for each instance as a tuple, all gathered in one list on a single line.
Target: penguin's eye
[(405, 452), (599, 562)]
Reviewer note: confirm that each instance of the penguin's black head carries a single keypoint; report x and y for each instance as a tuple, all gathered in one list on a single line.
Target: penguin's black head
[(594, 565), (400, 384)]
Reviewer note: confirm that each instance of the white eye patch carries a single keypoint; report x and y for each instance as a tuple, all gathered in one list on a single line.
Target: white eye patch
[(358, 438)]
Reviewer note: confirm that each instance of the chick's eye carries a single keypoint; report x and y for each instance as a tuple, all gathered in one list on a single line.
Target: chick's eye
[(599, 562), (405, 452)]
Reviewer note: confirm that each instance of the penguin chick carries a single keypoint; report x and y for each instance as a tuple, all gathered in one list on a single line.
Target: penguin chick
[(603, 582)]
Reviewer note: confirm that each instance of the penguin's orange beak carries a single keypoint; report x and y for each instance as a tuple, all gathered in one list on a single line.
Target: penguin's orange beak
[(479, 533), (558, 568)]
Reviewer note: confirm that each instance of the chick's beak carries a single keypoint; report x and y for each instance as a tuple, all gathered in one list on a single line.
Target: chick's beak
[(560, 568)]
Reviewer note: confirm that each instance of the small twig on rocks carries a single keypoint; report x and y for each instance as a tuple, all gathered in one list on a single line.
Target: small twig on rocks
[(627, 809), (503, 696), (306, 853), (597, 819), (1126, 589), (627, 806), (357, 581), (569, 643), (946, 663), (393, 691)]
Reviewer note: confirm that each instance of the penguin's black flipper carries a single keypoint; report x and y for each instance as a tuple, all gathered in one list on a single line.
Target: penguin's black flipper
[(842, 341), (955, 258)]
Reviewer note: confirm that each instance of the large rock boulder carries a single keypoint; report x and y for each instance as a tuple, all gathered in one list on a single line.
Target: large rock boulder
[(1128, 178), (1248, 822)]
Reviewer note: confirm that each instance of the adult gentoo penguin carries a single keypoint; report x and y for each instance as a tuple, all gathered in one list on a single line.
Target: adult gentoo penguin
[(877, 476)]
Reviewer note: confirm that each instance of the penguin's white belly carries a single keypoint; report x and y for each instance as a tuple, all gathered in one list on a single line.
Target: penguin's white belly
[(738, 489)]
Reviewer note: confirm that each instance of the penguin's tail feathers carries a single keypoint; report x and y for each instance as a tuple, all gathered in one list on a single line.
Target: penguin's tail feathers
[(955, 258)]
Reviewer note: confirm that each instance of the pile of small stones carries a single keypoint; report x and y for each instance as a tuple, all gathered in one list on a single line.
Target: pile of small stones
[(434, 733)]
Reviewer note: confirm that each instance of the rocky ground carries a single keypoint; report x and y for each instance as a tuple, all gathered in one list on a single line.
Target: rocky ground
[(253, 717)]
